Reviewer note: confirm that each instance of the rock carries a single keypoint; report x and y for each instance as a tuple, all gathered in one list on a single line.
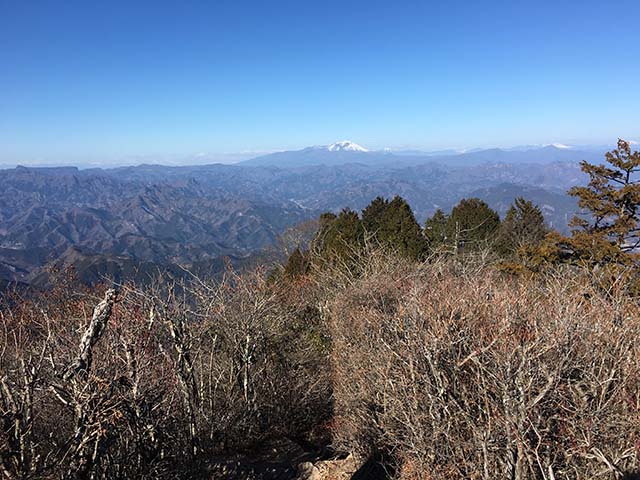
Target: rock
[(340, 469), (308, 471)]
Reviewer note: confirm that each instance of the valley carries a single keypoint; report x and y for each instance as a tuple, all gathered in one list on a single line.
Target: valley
[(140, 220)]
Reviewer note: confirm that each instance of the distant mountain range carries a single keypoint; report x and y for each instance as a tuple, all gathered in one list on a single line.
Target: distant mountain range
[(49, 215), (135, 221), (346, 152)]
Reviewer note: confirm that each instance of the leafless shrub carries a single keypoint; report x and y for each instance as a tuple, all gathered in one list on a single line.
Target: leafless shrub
[(82, 398), (473, 374), (152, 380), (450, 367), (259, 367)]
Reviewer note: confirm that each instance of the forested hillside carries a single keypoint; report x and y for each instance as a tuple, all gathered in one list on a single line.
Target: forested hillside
[(148, 219)]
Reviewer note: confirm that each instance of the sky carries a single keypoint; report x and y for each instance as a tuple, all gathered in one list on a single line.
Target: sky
[(125, 82)]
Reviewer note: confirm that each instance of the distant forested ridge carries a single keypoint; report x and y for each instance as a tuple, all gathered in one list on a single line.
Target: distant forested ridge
[(137, 221)]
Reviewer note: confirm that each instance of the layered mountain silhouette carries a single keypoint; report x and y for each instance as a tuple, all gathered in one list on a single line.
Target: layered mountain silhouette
[(346, 152), (136, 221)]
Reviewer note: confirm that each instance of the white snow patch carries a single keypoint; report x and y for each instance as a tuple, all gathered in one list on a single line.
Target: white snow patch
[(346, 146)]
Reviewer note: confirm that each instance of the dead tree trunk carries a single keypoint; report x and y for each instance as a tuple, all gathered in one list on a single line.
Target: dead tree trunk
[(101, 315)]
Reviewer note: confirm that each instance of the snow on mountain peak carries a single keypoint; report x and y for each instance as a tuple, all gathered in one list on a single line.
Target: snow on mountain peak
[(346, 146)]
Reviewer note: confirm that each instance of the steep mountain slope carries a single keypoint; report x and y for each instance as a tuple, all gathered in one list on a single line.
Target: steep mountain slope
[(44, 213)]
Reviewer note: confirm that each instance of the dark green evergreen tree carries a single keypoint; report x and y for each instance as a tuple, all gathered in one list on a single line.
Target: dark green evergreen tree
[(393, 224), (341, 236), (435, 230), (325, 227), (472, 225), (372, 216), (523, 226), (297, 264), (401, 231)]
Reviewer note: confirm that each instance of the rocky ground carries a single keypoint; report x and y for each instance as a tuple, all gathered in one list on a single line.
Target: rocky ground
[(286, 460)]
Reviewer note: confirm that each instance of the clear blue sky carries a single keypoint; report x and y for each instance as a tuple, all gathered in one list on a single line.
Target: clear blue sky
[(112, 80)]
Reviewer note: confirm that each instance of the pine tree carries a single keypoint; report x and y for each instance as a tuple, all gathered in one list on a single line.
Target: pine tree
[(339, 236), (372, 216), (393, 224), (297, 264), (472, 225), (401, 230), (435, 230), (523, 226), (612, 200), (608, 233)]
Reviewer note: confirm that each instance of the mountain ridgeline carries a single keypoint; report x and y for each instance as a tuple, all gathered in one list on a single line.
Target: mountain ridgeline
[(141, 220)]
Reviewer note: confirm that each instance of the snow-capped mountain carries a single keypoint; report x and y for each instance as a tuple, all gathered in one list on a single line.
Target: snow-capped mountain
[(347, 152), (338, 153), (346, 146)]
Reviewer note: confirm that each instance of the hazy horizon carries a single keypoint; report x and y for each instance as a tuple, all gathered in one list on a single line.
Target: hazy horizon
[(112, 83), (232, 158)]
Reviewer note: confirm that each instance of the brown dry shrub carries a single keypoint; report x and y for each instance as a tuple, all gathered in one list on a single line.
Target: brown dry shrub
[(260, 360), (120, 418), (465, 372), (179, 373), (452, 368)]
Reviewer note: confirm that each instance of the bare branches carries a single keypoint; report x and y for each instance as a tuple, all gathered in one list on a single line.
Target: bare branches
[(474, 375), (450, 368), (97, 325)]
